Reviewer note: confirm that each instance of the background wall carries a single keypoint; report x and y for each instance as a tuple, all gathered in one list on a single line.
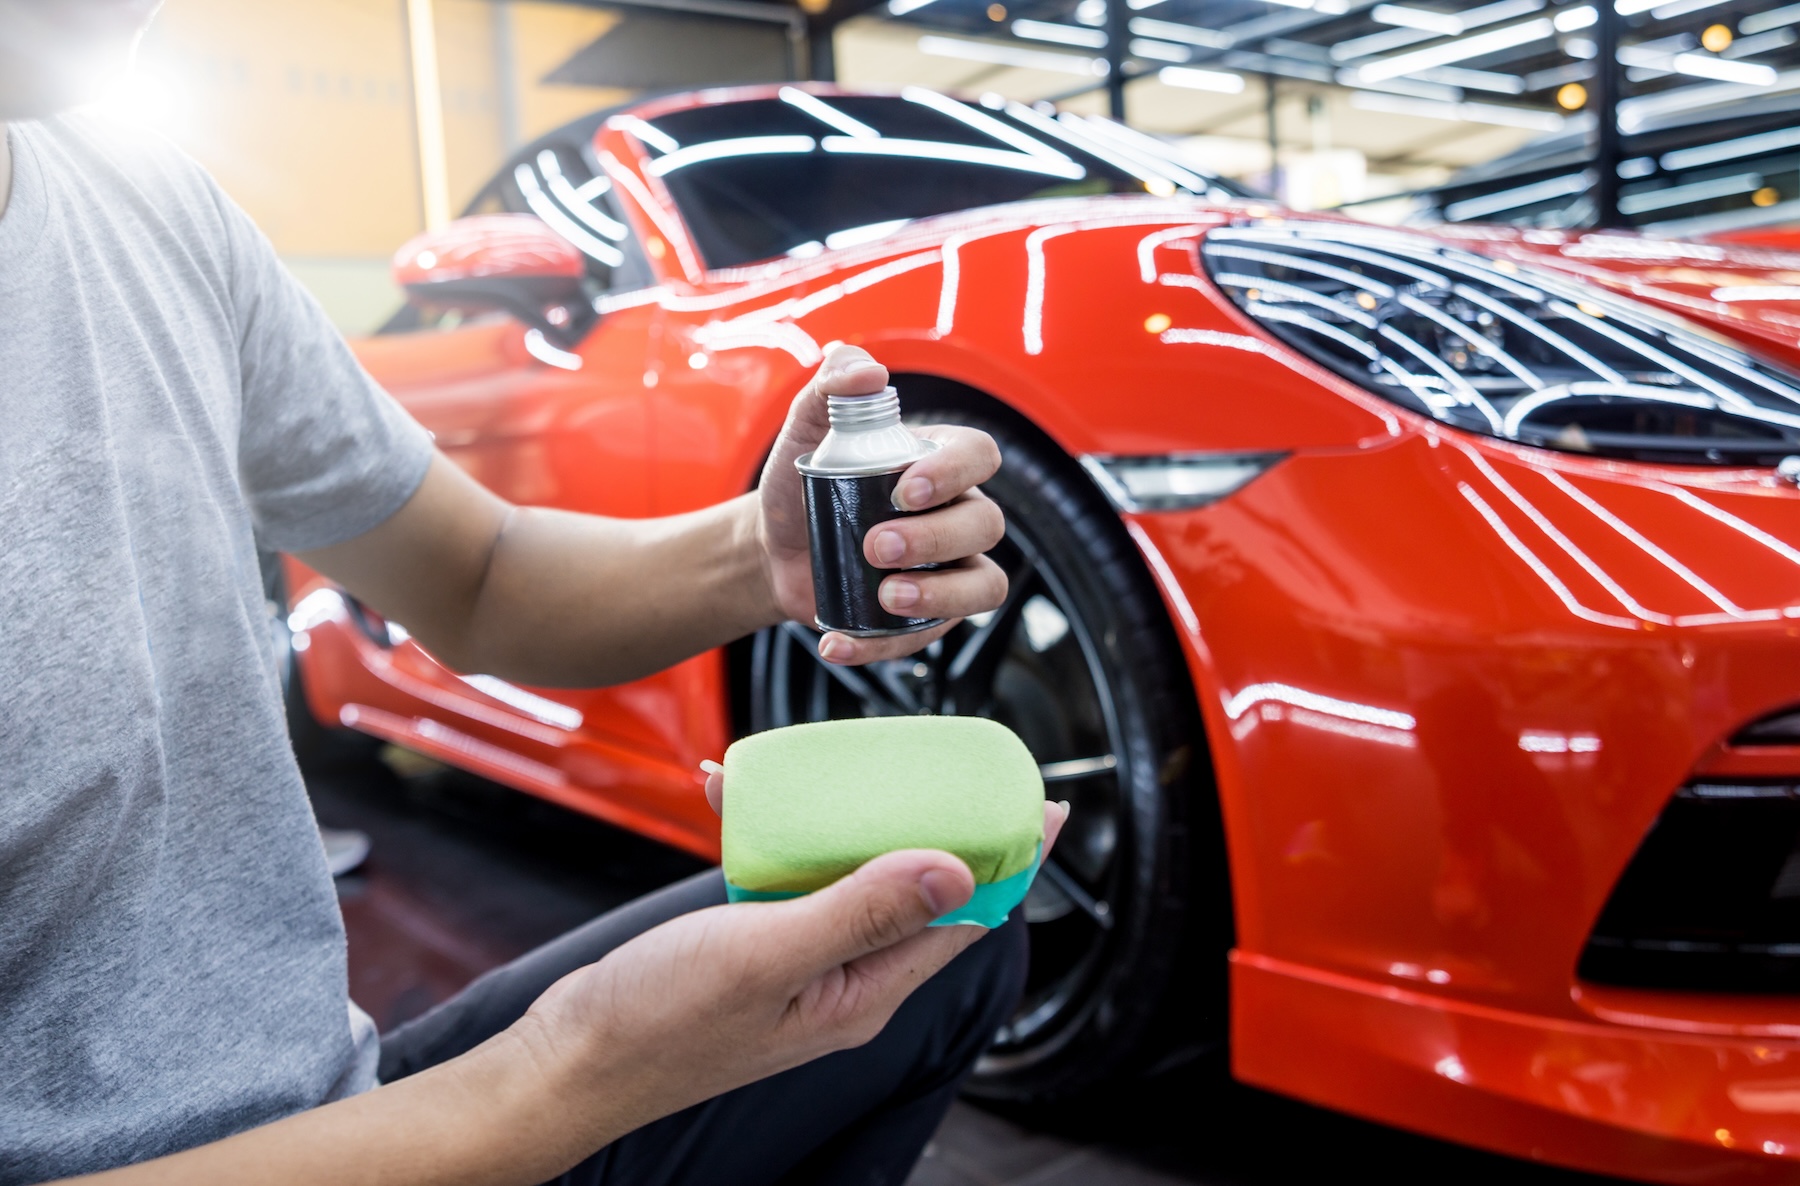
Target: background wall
[(303, 110)]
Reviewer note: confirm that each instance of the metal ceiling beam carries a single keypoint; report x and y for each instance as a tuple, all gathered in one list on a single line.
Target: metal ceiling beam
[(1609, 80)]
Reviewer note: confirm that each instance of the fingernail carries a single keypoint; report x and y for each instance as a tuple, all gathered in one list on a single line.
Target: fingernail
[(912, 494), (1064, 804), (711, 767), (833, 649), (889, 547), (899, 595), (941, 890)]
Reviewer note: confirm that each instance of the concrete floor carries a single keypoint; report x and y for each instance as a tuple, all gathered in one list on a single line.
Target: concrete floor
[(465, 875)]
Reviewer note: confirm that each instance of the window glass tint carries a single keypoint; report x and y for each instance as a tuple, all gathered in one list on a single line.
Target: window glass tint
[(802, 173), (577, 202)]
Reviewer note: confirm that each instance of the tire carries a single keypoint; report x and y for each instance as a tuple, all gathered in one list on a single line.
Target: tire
[(1082, 663)]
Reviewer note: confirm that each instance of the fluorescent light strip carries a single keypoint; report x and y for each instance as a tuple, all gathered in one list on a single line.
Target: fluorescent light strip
[(966, 154), (1709, 154), (1722, 70), (1219, 81), (902, 7), (1762, 22), (1061, 34), (1762, 43), (1476, 80), (825, 113), (1160, 51), (1186, 34), (1463, 48), (1479, 113), (558, 221), (1007, 55), (1377, 43), (1413, 87), (1699, 191), (1512, 199), (572, 198), (653, 136), (1442, 23), (1571, 19), (1681, 8), (714, 150), (1640, 109)]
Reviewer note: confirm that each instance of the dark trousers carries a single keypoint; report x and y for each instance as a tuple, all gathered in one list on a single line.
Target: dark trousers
[(859, 1117)]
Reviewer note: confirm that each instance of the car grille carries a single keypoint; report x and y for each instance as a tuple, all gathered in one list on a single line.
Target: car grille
[(1711, 901)]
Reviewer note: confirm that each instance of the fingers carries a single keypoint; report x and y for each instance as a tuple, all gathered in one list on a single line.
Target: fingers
[(969, 526), (715, 791), (1055, 816), (848, 370), (972, 587), (967, 458), (847, 651), (887, 901)]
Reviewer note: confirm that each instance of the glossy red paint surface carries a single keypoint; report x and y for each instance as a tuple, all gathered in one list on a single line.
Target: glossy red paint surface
[(486, 245), (1447, 682)]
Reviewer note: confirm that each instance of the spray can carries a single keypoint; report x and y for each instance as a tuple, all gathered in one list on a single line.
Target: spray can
[(849, 483)]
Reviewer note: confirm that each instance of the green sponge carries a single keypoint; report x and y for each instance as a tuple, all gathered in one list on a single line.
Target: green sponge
[(807, 804)]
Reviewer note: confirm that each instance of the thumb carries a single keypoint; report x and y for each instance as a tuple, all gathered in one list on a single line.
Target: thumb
[(886, 901)]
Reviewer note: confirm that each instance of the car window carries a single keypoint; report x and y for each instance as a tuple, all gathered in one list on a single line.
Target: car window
[(802, 173)]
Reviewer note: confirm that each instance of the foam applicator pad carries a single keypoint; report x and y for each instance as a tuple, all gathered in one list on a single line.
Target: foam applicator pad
[(807, 804)]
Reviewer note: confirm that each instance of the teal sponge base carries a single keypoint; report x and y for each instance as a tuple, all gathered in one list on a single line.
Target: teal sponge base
[(987, 907)]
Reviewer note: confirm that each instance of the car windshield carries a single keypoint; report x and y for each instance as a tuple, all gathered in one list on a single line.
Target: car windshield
[(801, 173)]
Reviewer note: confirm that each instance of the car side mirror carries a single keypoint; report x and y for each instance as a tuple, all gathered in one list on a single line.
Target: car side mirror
[(508, 262)]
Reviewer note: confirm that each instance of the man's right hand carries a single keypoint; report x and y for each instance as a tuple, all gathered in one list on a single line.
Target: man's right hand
[(719, 998)]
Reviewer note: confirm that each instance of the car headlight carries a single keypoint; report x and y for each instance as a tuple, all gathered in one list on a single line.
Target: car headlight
[(1490, 347), (1173, 481)]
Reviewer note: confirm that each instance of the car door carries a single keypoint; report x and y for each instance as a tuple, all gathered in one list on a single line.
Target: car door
[(544, 425)]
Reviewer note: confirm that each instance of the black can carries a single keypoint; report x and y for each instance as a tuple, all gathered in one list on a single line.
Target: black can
[(840, 510)]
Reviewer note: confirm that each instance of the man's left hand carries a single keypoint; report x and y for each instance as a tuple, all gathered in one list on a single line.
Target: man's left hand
[(959, 522)]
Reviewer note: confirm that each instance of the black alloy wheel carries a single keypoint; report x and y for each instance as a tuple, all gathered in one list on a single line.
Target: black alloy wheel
[(1081, 662)]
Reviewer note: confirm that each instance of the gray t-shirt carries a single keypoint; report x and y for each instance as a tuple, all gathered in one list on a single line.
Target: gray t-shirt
[(171, 951)]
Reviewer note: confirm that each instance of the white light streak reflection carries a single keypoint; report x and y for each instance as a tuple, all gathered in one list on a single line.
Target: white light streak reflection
[(935, 150), (1540, 741), (539, 347), (825, 113), (654, 137), (1033, 327), (1349, 710), (560, 222), (1537, 566), (714, 150)]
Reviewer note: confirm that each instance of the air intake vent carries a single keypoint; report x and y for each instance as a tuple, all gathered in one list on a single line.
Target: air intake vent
[(1783, 728), (1711, 901)]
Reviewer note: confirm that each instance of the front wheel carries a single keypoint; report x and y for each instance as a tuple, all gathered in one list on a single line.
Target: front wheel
[(1082, 664)]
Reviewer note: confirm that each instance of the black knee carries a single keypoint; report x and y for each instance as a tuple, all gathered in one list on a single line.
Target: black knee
[(974, 996)]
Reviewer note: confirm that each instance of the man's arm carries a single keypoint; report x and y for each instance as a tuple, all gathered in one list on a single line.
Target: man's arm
[(688, 1010), (561, 599)]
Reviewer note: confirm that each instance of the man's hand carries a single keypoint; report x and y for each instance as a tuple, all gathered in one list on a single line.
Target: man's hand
[(963, 525)]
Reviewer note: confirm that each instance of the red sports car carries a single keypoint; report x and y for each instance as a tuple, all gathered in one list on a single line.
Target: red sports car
[(1413, 620)]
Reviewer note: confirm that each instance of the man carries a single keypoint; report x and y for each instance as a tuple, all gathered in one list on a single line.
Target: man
[(172, 985)]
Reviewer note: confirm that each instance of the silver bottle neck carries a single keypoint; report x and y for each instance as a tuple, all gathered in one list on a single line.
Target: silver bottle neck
[(864, 413)]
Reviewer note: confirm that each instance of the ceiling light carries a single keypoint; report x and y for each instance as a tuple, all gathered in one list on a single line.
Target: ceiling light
[(1633, 7), (1709, 154), (1161, 51), (902, 7), (1705, 66), (1135, 5), (1443, 23), (1007, 55), (1571, 96), (1677, 8), (1187, 34), (1061, 34), (1679, 195), (1479, 113), (1221, 81), (1571, 19), (1477, 80), (1761, 22), (1565, 186), (1458, 50)]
